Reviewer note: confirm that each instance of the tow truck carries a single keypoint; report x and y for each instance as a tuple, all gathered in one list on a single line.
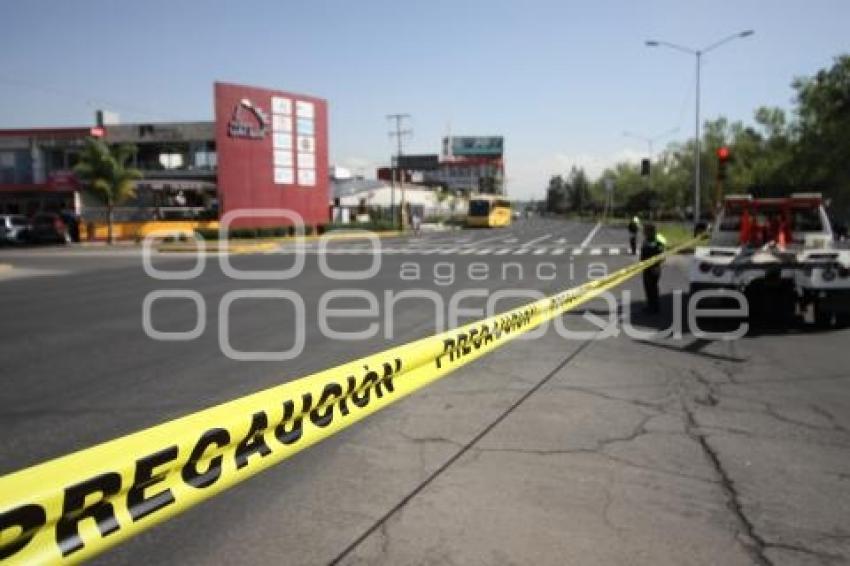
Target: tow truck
[(781, 254)]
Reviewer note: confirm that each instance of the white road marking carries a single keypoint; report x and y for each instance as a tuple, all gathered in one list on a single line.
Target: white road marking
[(614, 251), (476, 242), (596, 251), (448, 251), (521, 251), (539, 251), (561, 241), (559, 251), (577, 251), (535, 240), (484, 251), (590, 235), (503, 251)]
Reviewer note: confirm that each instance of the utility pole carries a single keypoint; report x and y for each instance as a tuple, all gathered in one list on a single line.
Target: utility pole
[(399, 134)]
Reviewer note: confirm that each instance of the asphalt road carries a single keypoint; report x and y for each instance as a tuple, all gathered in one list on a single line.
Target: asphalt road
[(642, 450)]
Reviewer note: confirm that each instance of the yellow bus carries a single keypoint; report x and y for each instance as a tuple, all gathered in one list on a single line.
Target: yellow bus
[(488, 211)]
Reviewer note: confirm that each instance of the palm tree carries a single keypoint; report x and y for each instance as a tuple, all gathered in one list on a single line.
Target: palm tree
[(106, 173)]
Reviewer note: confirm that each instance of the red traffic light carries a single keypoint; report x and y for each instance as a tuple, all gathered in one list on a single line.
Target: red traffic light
[(723, 153)]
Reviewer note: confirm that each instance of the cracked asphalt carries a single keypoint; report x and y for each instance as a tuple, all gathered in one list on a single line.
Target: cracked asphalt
[(647, 450), (729, 453)]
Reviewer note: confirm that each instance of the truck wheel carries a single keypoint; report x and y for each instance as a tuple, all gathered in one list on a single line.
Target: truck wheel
[(823, 317)]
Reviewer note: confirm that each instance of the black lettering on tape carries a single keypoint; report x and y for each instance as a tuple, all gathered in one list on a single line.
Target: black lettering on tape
[(463, 344), (361, 396), (488, 336), (475, 338), (217, 437), (145, 477), (343, 404), (26, 518), (75, 510), (294, 435), (448, 348), (387, 380), (254, 442), (324, 416)]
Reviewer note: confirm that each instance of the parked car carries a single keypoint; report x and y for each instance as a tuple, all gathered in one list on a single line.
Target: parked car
[(13, 228), (48, 227)]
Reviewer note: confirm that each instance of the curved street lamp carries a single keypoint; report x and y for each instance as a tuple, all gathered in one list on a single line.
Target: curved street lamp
[(698, 53)]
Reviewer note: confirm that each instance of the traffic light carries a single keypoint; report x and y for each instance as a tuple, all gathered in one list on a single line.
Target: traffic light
[(723, 156), (644, 167)]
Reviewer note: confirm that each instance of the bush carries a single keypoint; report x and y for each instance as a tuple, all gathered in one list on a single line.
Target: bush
[(374, 226)]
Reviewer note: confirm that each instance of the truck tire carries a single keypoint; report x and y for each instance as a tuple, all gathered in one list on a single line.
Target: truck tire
[(823, 317)]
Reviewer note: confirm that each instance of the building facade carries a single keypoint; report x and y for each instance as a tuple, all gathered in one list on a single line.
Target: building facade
[(466, 164), (265, 150)]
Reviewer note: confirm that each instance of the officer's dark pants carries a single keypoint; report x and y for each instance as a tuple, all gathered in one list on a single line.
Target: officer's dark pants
[(633, 244), (650, 287)]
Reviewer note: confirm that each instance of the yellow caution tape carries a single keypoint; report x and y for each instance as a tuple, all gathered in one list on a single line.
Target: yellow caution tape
[(74, 507)]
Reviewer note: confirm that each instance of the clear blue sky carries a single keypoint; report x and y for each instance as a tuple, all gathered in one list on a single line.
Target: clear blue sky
[(560, 80)]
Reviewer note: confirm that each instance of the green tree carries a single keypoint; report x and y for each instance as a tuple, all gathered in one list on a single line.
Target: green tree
[(106, 172), (556, 195), (823, 121), (578, 189)]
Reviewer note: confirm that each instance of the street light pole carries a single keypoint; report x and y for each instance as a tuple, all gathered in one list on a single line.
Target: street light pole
[(698, 53), (650, 141), (697, 160)]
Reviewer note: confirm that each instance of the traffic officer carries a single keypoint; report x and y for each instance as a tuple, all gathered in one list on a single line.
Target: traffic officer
[(634, 226), (653, 245)]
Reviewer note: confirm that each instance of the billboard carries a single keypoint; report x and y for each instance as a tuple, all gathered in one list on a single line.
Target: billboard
[(473, 146), (427, 162), (272, 152)]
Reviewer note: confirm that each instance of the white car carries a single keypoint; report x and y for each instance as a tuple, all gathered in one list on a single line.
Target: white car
[(13, 228)]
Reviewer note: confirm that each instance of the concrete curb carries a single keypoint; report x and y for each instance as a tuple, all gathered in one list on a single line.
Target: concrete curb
[(233, 248)]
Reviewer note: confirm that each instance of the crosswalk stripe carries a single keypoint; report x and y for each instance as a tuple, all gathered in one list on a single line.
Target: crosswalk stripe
[(561, 241), (614, 251), (503, 251), (466, 251), (521, 251), (447, 251), (484, 251), (596, 251), (540, 251), (558, 251)]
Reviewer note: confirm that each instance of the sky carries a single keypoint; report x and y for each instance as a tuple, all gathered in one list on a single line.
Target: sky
[(560, 80)]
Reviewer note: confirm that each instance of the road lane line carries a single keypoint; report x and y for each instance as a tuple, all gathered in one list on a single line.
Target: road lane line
[(536, 240), (590, 235)]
